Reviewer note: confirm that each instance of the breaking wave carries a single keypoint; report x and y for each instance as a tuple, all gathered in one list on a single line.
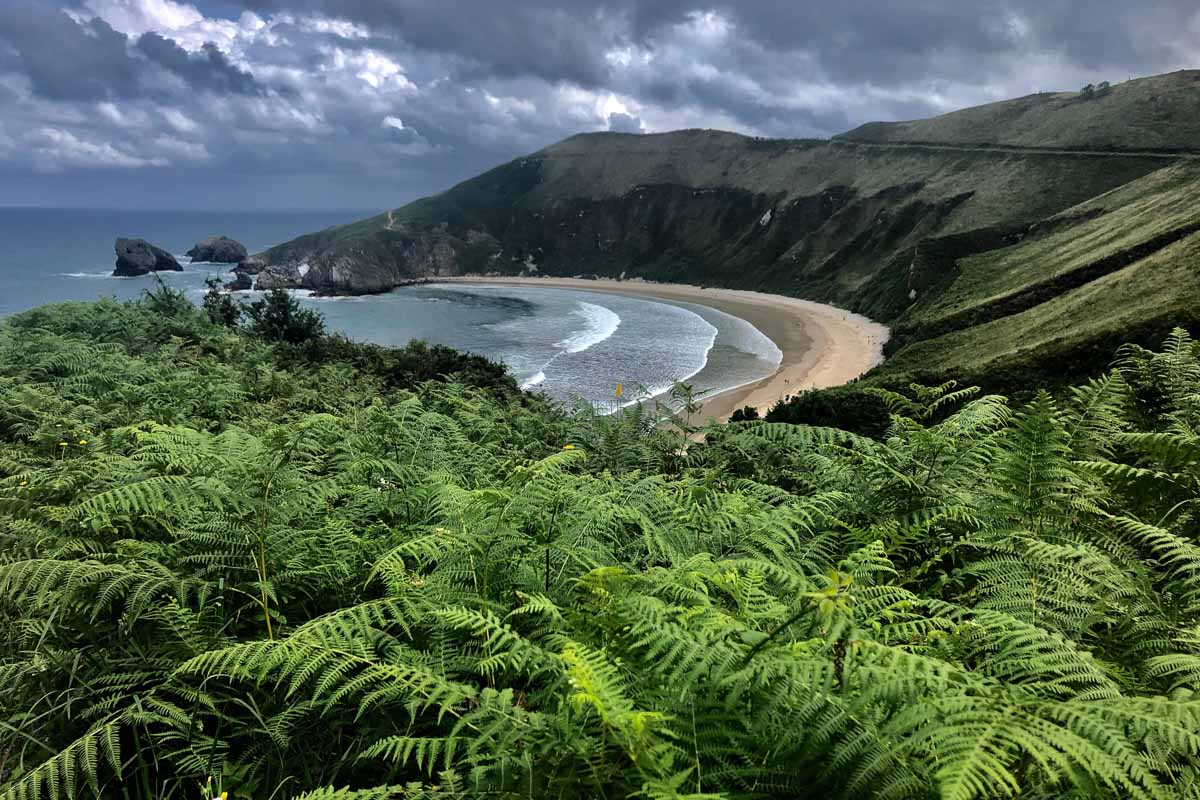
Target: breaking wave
[(535, 380), (601, 323)]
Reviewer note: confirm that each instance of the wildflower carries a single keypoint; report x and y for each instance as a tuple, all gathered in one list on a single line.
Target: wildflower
[(83, 441), (224, 795), (568, 447), (24, 483)]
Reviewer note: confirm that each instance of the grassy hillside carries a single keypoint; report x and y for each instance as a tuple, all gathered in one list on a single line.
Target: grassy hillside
[(819, 219), (935, 238), (1155, 113), (1049, 304), (1072, 331), (233, 568), (1064, 253)]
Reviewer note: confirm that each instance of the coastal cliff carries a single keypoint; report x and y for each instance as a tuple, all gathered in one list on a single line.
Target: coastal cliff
[(825, 220)]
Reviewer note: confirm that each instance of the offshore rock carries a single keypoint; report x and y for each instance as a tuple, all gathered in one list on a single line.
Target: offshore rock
[(218, 250), (138, 257)]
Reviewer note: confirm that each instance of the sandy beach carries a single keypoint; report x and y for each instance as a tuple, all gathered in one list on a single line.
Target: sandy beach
[(822, 345)]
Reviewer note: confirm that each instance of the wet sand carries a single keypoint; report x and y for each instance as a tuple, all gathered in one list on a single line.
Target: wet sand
[(822, 345)]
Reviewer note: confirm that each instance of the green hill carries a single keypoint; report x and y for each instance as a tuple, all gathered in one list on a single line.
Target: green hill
[(1123, 265), (1156, 113), (991, 216)]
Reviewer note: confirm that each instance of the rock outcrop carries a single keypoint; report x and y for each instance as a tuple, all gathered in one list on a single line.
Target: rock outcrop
[(251, 265), (241, 282), (138, 257), (278, 276), (218, 250)]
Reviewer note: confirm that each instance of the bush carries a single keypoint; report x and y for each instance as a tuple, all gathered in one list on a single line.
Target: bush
[(414, 363), (279, 317), (224, 577), (219, 306), (847, 407), (744, 414)]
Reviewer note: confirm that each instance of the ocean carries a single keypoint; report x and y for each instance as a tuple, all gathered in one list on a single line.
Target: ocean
[(565, 342)]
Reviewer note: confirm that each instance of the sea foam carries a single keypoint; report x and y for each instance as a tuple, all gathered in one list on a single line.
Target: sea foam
[(536, 380), (600, 323)]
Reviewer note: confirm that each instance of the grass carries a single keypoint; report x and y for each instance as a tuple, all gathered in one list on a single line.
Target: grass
[(1161, 112), (1126, 218), (1137, 302)]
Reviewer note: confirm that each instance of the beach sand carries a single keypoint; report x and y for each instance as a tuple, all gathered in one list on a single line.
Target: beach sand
[(822, 345)]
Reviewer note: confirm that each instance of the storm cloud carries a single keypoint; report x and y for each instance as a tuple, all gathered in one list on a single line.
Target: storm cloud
[(371, 103)]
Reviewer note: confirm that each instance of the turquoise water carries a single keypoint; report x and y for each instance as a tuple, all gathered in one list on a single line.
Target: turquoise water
[(565, 342)]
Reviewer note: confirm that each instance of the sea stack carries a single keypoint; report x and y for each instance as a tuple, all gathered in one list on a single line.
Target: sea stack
[(218, 250), (138, 257)]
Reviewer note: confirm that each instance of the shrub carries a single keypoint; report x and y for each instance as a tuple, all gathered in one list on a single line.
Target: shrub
[(220, 307), (744, 414), (849, 407), (279, 317)]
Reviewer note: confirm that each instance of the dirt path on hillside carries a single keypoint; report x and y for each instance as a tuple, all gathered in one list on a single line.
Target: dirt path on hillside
[(1014, 150)]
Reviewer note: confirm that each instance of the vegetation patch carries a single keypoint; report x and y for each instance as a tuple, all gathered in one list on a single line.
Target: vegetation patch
[(238, 567)]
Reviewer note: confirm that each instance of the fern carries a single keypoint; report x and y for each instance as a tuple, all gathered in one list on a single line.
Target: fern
[(328, 580)]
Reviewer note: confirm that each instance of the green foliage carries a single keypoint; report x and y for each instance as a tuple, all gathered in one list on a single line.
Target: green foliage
[(220, 307), (744, 414), (279, 317), (848, 407), (227, 566)]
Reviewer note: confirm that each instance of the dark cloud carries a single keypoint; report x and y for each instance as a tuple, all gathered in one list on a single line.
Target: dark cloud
[(207, 70), (542, 38), (65, 60), (374, 102), (883, 41)]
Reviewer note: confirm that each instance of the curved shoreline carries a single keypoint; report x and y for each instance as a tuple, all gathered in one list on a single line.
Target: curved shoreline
[(822, 345)]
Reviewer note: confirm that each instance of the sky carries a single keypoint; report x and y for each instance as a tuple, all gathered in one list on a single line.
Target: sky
[(368, 104)]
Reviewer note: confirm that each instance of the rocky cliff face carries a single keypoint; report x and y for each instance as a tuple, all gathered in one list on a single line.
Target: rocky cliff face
[(278, 276), (138, 257)]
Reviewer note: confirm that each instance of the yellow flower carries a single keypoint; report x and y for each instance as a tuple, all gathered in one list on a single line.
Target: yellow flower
[(568, 447), (24, 483), (224, 795), (83, 441), (620, 391)]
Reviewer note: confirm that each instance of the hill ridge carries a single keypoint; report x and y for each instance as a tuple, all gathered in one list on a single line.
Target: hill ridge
[(1155, 113)]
